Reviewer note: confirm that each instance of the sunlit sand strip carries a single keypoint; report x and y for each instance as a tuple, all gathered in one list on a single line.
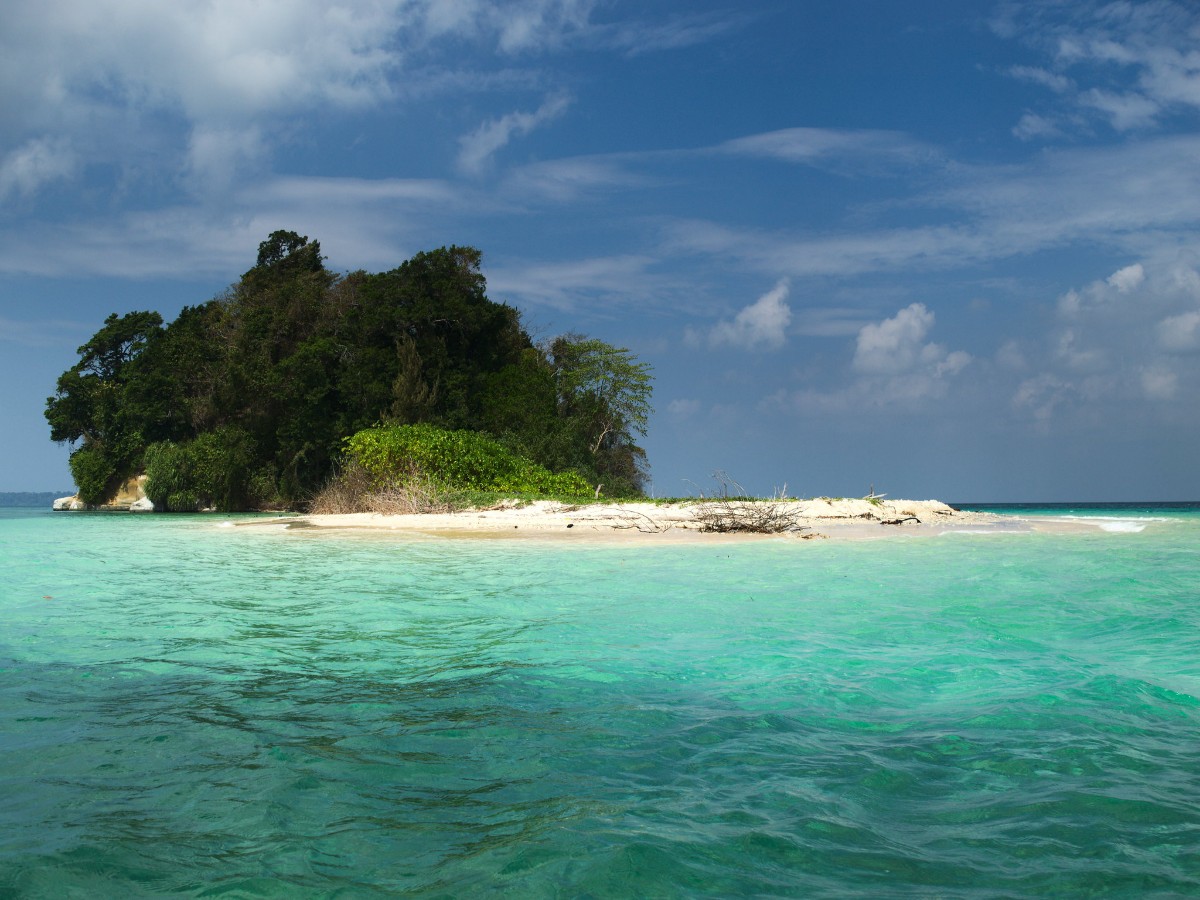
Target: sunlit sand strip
[(842, 519)]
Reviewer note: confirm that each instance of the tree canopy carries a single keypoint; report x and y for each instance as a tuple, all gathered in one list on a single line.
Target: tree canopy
[(246, 400)]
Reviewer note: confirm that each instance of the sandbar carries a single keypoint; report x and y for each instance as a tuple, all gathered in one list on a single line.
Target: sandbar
[(815, 519)]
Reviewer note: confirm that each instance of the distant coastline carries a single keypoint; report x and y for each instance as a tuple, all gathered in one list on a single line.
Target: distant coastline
[(15, 499)]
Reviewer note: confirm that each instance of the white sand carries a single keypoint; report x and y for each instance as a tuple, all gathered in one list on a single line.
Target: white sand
[(817, 518)]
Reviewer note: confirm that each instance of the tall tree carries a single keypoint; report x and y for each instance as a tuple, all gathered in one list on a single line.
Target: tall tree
[(92, 403), (607, 392)]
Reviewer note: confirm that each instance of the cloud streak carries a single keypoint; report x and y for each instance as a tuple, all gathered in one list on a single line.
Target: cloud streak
[(477, 149)]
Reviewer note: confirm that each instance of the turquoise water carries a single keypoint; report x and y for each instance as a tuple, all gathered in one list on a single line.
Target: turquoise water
[(193, 710)]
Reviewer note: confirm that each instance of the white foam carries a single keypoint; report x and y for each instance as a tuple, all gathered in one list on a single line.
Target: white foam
[(980, 531), (1117, 518), (1128, 526)]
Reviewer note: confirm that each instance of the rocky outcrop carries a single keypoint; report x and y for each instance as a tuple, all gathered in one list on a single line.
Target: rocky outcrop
[(131, 495)]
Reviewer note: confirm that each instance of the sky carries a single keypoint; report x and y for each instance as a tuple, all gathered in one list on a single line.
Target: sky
[(938, 248)]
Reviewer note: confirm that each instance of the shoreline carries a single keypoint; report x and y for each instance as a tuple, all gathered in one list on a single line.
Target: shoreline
[(645, 521)]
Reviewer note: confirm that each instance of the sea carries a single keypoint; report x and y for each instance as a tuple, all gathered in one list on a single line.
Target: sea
[(193, 709)]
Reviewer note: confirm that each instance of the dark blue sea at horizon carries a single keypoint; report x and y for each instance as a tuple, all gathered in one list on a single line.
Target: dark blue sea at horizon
[(195, 710)]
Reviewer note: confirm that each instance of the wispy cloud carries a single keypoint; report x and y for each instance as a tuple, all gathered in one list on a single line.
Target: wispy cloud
[(616, 280), (845, 149), (1130, 64), (477, 148), (636, 38), (35, 163), (360, 223), (1116, 195), (568, 180), (41, 332)]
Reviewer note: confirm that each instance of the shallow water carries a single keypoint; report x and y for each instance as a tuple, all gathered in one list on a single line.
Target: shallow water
[(189, 709)]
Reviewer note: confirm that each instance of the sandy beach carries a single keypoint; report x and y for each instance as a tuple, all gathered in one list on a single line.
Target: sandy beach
[(815, 519)]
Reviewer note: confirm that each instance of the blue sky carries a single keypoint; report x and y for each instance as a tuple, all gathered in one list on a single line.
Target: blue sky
[(949, 249)]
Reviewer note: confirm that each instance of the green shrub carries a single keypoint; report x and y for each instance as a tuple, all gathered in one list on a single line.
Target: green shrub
[(93, 473), (212, 470), (459, 460)]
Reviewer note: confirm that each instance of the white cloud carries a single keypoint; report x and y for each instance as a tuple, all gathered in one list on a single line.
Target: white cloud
[(567, 180), (1128, 278), (207, 92), (1055, 81), (1111, 290), (477, 148), (761, 325), (515, 25), (679, 31), (563, 285), (1181, 332), (1140, 58), (360, 222), (894, 368), (1034, 127), (537, 23), (1125, 111), (1042, 396), (1159, 385), (841, 149), (1112, 196), (1011, 356), (35, 163), (222, 58), (893, 345), (216, 155), (1122, 340), (683, 408)]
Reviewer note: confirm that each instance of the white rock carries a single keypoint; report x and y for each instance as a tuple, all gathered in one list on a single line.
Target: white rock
[(145, 504), (69, 503)]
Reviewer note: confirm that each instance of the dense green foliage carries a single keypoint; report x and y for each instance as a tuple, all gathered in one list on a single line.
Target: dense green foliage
[(245, 401), (211, 471), (462, 460)]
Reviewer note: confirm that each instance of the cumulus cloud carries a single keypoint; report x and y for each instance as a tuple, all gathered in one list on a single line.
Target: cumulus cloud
[(894, 367), (477, 148), (1110, 290), (1128, 278), (897, 345), (1120, 341), (760, 326), (894, 344)]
